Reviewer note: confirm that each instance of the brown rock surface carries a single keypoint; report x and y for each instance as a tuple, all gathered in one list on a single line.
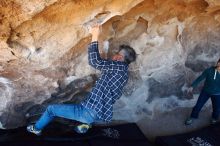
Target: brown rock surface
[(44, 42)]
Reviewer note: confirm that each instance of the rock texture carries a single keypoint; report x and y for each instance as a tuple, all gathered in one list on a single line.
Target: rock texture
[(43, 48)]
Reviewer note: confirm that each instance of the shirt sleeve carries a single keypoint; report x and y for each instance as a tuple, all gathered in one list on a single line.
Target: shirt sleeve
[(116, 96), (200, 78), (94, 57)]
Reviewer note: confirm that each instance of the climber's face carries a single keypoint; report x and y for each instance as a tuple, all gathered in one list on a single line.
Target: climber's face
[(119, 56)]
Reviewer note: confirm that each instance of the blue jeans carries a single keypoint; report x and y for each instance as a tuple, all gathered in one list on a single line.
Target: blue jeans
[(69, 111), (203, 97)]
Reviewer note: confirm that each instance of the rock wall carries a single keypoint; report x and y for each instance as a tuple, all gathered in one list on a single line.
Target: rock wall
[(43, 47)]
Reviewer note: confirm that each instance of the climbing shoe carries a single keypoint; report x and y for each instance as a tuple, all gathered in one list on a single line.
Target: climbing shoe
[(213, 121), (189, 121), (32, 129), (83, 128)]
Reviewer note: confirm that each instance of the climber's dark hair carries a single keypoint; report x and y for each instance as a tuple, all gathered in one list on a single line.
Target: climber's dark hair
[(130, 54)]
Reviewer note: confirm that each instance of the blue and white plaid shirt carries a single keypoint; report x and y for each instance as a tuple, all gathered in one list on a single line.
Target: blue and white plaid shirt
[(114, 76)]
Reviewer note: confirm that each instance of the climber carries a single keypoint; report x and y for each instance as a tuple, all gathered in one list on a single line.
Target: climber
[(211, 89), (98, 105)]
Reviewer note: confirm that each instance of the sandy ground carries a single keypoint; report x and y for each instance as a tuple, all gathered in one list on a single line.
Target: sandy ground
[(172, 122)]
